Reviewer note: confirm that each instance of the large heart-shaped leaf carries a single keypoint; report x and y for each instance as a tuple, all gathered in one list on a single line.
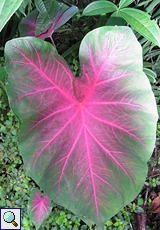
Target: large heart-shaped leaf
[(85, 141)]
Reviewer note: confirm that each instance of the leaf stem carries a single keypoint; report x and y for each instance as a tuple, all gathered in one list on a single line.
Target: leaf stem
[(53, 42)]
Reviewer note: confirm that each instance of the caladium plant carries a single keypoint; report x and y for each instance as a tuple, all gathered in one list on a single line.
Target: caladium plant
[(50, 16), (85, 141)]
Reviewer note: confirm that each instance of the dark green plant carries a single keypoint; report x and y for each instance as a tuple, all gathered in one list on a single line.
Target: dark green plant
[(138, 19)]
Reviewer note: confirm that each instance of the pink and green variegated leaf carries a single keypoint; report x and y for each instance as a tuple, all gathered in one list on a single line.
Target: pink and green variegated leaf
[(38, 208), (85, 141), (50, 12), (40, 25), (28, 24)]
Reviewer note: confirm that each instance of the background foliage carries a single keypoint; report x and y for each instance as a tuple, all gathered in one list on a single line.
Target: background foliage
[(15, 185)]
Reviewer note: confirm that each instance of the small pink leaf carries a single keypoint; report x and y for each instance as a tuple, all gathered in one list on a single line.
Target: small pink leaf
[(39, 208)]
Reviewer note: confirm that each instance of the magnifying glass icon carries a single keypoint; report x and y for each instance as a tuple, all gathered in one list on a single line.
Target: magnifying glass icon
[(9, 217)]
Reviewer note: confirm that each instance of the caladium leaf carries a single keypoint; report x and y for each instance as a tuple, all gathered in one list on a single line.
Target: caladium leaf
[(50, 13), (85, 141), (28, 24), (42, 25), (38, 208)]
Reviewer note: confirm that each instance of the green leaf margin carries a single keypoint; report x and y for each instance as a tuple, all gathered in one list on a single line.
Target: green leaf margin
[(7, 9)]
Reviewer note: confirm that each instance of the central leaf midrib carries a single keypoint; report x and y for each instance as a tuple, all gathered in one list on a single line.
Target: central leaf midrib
[(89, 160)]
